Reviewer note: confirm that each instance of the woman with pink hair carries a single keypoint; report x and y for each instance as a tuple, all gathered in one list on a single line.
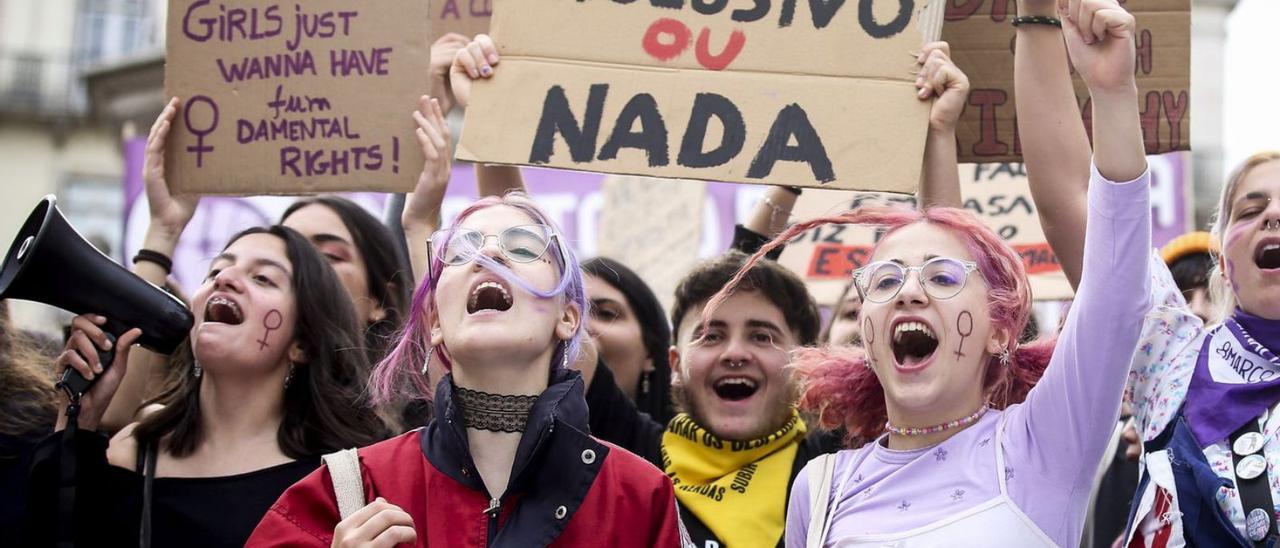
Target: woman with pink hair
[(981, 442)]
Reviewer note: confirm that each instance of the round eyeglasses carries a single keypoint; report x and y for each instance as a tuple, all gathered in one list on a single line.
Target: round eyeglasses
[(941, 277), (520, 244)]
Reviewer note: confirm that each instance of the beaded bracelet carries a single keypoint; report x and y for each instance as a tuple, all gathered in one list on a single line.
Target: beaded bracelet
[(1036, 20), (155, 257)]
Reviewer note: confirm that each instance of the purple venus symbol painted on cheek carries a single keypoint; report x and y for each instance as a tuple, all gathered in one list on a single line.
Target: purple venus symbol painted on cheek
[(964, 327), (200, 148), (868, 332), (271, 322)]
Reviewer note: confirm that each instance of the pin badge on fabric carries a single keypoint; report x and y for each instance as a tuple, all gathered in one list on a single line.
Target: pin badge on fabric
[(1257, 524), (1248, 444), (1251, 467)]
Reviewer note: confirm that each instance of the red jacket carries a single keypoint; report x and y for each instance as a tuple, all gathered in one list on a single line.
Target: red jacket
[(567, 488)]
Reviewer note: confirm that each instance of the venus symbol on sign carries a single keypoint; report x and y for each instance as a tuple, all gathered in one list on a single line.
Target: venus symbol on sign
[(200, 148)]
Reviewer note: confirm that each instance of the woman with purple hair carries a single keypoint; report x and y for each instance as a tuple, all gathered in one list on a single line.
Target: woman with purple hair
[(508, 459)]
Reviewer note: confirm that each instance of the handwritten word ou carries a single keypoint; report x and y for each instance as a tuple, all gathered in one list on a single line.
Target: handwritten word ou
[(790, 125), (821, 12), (678, 36), (203, 22)]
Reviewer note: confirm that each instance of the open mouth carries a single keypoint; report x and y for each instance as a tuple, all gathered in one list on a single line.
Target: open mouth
[(913, 343), (223, 310), (1268, 256), (489, 295), (735, 388)]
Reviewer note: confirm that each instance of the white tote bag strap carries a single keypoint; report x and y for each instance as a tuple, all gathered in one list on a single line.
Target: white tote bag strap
[(820, 471), (348, 484)]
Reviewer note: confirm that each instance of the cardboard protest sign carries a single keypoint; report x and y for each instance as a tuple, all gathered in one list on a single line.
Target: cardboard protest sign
[(465, 17), (982, 43), (284, 97), (817, 93), (654, 226), (997, 193)]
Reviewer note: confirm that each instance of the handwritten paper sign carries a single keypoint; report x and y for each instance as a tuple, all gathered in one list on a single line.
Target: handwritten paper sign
[(654, 226), (982, 42), (817, 93), (290, 97), (997, 193)]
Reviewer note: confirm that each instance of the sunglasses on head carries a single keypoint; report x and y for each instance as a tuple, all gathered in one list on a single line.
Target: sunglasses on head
[(941, 277)]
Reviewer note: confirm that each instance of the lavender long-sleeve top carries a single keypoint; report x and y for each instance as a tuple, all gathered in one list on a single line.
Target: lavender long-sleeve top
[(1052, 442)]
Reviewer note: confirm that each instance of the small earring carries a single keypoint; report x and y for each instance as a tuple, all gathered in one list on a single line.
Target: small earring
[(288, 378), (426, 364), (196, 370), (1005, 357), (644, 384)]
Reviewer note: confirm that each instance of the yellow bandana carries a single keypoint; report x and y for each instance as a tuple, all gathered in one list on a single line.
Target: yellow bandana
[(738, 489)]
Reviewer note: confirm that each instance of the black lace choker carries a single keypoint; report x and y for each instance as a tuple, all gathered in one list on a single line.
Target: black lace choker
[(493, 412)]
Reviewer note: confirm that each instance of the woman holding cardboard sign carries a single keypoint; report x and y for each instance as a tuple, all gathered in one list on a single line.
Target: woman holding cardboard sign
[(272, 377), (368, 258), (1204, 396), (977, 429)]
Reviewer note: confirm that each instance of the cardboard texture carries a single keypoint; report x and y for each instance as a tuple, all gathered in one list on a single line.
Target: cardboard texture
[(465, 17), (997, 193), (284, 97), (982, 42), (654, 226), (817, 94)]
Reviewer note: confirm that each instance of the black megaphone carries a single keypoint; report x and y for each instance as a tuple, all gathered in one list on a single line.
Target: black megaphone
[(49, 262)]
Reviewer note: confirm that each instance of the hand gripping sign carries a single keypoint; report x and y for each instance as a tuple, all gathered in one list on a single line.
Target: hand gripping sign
[(814, 93)]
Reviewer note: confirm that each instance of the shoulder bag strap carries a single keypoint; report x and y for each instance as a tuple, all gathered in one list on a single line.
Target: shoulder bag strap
[(821, 470), (148, 477), (348, 484)]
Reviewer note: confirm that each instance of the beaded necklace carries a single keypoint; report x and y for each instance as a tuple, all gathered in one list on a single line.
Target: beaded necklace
[(913, 431)]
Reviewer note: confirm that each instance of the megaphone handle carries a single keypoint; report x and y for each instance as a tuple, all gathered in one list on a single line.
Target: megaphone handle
[(73, 383)]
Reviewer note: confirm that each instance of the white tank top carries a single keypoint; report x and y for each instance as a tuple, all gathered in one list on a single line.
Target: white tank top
[(997, 522)]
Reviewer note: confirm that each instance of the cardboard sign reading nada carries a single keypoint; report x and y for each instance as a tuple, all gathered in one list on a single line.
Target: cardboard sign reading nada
[(817, 93), (654, 226), (997, 193), (982, 41), (291, 97)]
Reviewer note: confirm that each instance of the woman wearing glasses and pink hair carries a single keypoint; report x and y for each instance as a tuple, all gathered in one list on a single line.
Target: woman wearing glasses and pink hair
[(979, 441), (508, 460)]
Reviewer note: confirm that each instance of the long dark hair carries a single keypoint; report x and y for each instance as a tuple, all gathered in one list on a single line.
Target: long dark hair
[(386, 268), (654, 331), (28, 404), (323, 408)]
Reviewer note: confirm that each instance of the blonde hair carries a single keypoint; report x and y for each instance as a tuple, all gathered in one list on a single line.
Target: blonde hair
[(1220, 293)]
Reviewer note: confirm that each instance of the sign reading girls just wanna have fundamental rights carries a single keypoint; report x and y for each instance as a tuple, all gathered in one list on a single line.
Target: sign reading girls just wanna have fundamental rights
[(285, 97)]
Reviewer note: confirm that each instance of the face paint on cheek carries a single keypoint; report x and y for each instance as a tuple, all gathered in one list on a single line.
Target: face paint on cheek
[(964, 327), (868, 331), (271, 322), (1231, 275), (1237, 231)]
